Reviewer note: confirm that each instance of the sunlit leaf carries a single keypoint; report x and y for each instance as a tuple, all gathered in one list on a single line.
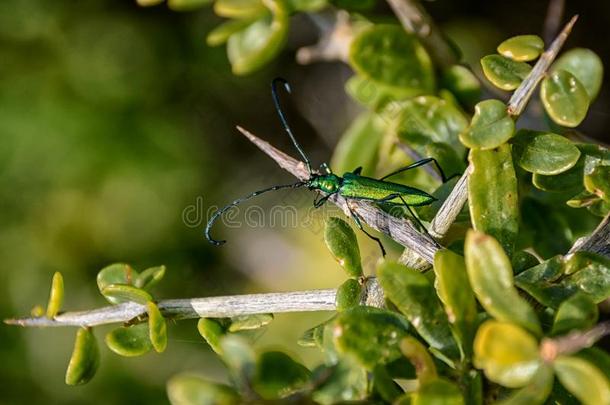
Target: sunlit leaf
[(119, 273), (129, 341), (56, 296), (583, 380), (212, 331), (157, 328), (577, 312), (493, 195), (522, 48), (418, 355), (491, 277), (348, 294), (85, 358), (503, 72), (491, 126), (586, 66), (278, 375), (544, 153), (342, 243), (149, 277), (186, 389), (306, 5), (239, 8), (438, 392), (535, 392), (507, 354), (249, 322), (597, 181), (564, 98), (125, 293)]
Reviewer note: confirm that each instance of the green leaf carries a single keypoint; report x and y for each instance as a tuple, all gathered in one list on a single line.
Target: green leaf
[(348, 294), (586, 66), (343, 381), (117, 293), (250, 49), (491, 126), (417, 354), (507, 354), (243, 9), (313, 337), (375, 95), (577, 312), (544, 153), (415, 297), (384, 385), (597, 180), (118, 273), (388, 55), (85, 358), (129, 341), (582, 379), (343, 245), (535, 392), (212, 331), (149, 277), (238, 355), (522, 48), (186, 389), (306, 5), (56, 296), (491, 277), (369, 335), (157, 328), (277, 375), (187, 5), (223, 32), (249, 322), (523, 260), (453, 289), (446, 156), (598, 357), (570, 180), (427, 119), (358, 145), (493, 195), (438, 392), (503, 72), (564, 98), (462, 83)]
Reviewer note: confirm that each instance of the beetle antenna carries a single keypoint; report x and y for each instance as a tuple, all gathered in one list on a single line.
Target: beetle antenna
[(280, 112), (224, 209)]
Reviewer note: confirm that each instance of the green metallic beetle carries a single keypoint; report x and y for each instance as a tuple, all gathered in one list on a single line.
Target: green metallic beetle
[(351, 186)]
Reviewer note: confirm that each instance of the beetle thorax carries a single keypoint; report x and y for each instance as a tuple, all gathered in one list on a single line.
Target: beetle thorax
[(328, 183)]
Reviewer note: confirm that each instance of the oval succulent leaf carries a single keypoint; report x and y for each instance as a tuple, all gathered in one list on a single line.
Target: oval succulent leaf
[(249, 322), (85, 358), (597, 180), (585, 381), (118, 273), (418, 355), (117, 293), (186, 389), (535, 392), (342, 243), (507, 354), (149, 277), (491, 277), (388, 55), (186, 5), (522, 48), (586, 66), (544, 153), (212, 331), (348, 294), (223, 32), (56, 296), (577, 312), (239, 8), (491, 126), (438, 391), (503, 72), (278, 375), (129, 341), (564, 98), (157, 328)]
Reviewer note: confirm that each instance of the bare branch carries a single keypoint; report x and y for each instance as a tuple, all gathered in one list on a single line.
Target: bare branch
[(524, 92), (401, 230), (333, 44), (451, 207), (416, 20), (598, 242), (573, 342)]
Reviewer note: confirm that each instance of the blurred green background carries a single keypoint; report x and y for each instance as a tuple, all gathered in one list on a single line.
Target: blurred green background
[(116, 121)]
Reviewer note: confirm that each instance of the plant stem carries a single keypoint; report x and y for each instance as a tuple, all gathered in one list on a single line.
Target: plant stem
[(524, 92), (573, 342)]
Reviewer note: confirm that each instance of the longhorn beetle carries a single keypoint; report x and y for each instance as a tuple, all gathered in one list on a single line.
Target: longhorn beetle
[(351, 186)]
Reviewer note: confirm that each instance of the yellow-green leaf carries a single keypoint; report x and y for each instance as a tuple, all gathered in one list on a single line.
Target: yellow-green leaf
[(125, 293), (438, 392), (577, 312), (491, 277), (118, 273), (522, 48), (585, 381), (186, 389), (343, 245), (564, 98), (544, 153), (85, 358), (157, 328), (212, 331), (129, 341), (56, 296), (586, 66), (597, 180), (418, 355), (149, 277), (187, 5), (223, 32), (503, 72), (491, 126), (249, 322), (348, 294), (239, 8), (507, 354), (536, 391)]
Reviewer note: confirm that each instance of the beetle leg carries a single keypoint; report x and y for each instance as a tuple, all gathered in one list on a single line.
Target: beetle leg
[(418, 164), (415, 217), (320, 202), (359, 225)]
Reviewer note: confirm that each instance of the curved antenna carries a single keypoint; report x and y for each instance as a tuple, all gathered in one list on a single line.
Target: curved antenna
[(280, 112), (224, 209)]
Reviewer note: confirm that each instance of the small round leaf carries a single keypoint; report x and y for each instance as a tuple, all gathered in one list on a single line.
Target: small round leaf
[(585, 381), (129, 341), (157, 328), (117, 293), (544, 153), (277, 375), (223, 32), (577, 312), (564, 98), (186, 389), (149, 277), (342, 243), (85, 358), (504, 73), (491, 126), (586, 66), (348, 294), (535, 392), (240, 9), (56, 297), (507, 354), (212, 331), (249, 322), (597, 181), (118, 273), (522, 48)]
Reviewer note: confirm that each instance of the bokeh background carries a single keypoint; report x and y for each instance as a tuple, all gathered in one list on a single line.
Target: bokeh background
[(117, 123)]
